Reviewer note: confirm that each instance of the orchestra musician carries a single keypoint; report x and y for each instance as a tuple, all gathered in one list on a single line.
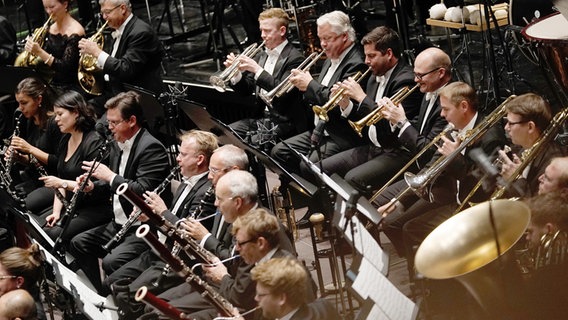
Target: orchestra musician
[(17, 304), (554, 177), (344, 59), (60, 52), (266, 71), (134, 56), (217, 239), (381, 157), (136, 158)]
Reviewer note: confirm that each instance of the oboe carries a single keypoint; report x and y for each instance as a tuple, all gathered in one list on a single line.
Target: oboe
[(208, 197), (136, 214), (189, 245), (223, 305), (42, 172)]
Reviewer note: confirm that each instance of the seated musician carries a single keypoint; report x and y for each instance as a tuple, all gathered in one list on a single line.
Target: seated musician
[(136, 158), (266, 71), (372, 164), (555, 177), (216, 239), (193, 159), (281, 292), (344, 59), (17, 304), (236, 196)]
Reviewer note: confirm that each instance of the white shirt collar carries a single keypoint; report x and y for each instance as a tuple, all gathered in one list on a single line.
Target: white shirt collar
[(191, 181), (342, 55), (120, 29), (278, 50), (127, 145)]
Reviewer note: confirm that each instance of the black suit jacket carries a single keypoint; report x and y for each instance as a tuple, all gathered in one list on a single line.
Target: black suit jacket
[(320, 309), (337, 126), (192, 201), (288, 107), (137, 60)]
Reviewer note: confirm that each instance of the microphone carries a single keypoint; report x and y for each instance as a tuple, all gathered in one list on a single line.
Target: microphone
[(484, 164), (102, 130), (317, 134)]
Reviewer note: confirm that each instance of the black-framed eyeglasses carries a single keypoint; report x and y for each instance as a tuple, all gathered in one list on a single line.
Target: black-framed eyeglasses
[(114, 123), (510, 123), (419, 76), (108, 11), (245, 242)]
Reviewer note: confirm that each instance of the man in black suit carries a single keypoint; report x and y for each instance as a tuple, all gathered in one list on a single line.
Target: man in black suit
[(344, 59), (135, 55), (372, 164), (193, 158), (266, 71), (136, 158), (281, 292)]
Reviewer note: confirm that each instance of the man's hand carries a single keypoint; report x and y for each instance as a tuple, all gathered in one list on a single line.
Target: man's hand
[(508, 166), (217, 272), (353, 89), (86, 46), (449, 146), (387, 208), (248, 64), (102, 172), (155, 202), (195, 229), (300, 79), (392, 113)]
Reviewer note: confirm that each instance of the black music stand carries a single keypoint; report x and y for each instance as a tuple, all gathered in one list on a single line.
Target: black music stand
[(203, 120)]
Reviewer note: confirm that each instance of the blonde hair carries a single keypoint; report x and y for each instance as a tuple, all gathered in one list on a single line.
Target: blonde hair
[(277, 13), (24, 263), (283, 276), (206, 141), (258, 223), (458, 91)]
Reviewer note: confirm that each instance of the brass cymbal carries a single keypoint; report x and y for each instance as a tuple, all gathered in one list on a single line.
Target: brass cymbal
[(466, 241)]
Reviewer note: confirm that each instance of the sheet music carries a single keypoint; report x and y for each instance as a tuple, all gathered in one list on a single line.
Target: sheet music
[(392, 304), (364, 243), (86, 298)]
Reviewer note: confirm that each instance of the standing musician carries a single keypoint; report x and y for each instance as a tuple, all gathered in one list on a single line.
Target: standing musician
[(216, 239), (374, 163), (38, 137), (528, 115), (337, 37), (265, 72), (193, 158), (137, 158), (134, 57), (60, 52)]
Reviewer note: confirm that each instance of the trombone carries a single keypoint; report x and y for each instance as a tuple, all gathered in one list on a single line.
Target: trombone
[(374, 116), (220, 80), (286, 85), (322, 111)]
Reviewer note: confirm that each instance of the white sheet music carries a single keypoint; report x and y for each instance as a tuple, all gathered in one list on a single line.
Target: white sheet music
[(365, 244), (89, 301), (392, 304)]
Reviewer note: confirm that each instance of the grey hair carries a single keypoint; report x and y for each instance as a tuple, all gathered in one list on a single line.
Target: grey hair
[(233, 156), (339, 22), (117, 2), (241, 184)]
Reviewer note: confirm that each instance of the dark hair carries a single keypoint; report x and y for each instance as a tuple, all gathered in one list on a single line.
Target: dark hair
[(128, 103), (383, 38), (35, 88), (531, 107), (74, 102)]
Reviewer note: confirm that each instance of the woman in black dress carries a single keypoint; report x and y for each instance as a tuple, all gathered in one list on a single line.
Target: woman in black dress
[(80, 142)]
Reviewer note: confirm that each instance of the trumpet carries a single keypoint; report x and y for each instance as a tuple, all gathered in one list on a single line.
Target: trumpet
[(89, 78), (27, 59), (322, 111), (374, 116), (286, 85), (220, 80)]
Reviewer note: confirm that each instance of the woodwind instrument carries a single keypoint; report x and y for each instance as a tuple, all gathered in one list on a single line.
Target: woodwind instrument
[(136, 214), (10, 160), (223, 305), (42, 172), (189, 245), (142, 294)]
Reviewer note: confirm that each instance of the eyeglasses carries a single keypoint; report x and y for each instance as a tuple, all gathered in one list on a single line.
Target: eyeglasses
[(330, 38), (419, 76), (108, 11), (114, 123), (216, 170), (245, 242), (7, 277), (511, 123)]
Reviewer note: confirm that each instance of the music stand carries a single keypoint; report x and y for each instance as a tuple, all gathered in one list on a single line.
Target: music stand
[(203, 120), (152, 109)]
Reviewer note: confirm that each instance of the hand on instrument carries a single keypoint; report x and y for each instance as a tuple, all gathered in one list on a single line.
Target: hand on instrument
[(393, 113), (194, 228), (388, 208), (21, 145), (217, 272), (101, 172), (300, 79), (32, 46), (80, 180), (11, 152), (353, 89), (248, 64), (52, 219), (449, 146), (508, 166), (52, 182), (344, 102), (155, 202), (231, 57), (87, 46), (142, 217)]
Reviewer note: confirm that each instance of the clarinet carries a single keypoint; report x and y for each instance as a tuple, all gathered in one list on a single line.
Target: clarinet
[(42, 172), (223, 305), (133, 218), (10, 160), (188, 244), (207, 198), (142, 294)]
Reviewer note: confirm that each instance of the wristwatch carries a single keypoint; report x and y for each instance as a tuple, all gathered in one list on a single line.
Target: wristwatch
[(401, 124), (64, 185)]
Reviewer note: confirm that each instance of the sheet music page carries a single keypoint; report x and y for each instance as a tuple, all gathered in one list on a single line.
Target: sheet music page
[(391, 302)]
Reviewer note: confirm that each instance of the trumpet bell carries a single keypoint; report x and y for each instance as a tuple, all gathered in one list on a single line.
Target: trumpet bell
[(218, 83)]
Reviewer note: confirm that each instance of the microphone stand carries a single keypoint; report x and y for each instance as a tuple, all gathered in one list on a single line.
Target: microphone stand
[(315, 140), (65, 220)]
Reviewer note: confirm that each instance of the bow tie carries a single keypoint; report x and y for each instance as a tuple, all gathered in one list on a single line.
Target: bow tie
[(115, 34), (430, 95), (380, 79)]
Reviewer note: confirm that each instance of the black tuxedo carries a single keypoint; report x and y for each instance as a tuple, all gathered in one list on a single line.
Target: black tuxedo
[(320, 309), (341, 136), (146, 168), (369, 165)]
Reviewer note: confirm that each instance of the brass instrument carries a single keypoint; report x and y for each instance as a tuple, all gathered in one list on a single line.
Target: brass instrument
[(465, 246), (286, 85), (27, 59), (374, 116), (552, 250), (206, 291), (136, 214), (284, 210), (220, 80), (322, 111), (89, 75), (538, 147), (142, 294)]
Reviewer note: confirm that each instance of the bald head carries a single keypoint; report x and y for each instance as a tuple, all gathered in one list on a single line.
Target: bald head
[(555, 177), (17, 304)]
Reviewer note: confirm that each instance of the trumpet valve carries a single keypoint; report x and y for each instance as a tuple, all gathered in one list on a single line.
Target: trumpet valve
[(317, 220)]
